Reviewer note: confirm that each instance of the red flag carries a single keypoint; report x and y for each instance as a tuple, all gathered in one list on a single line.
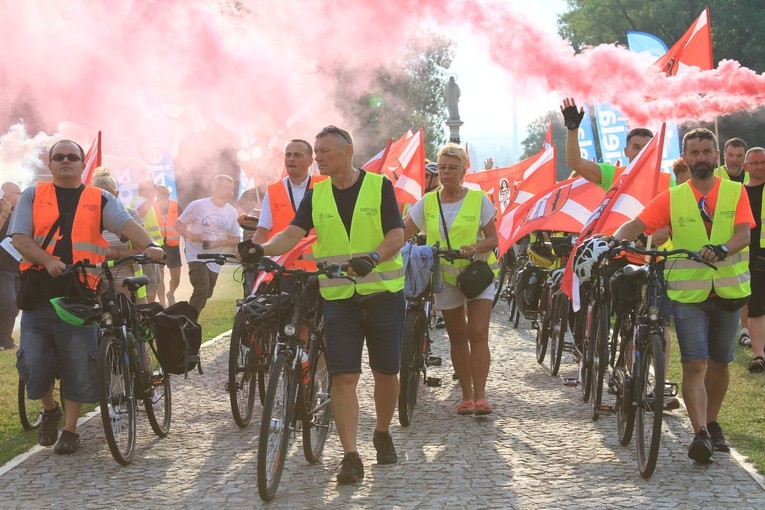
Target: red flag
[(565, 207), (375, 164), (548, 137), (514, 185), (694, 48), (92, 160), (286, 259), (628, 196), (405, 167)]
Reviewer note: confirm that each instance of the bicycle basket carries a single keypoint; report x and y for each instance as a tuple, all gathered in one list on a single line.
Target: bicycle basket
[(77, 311)]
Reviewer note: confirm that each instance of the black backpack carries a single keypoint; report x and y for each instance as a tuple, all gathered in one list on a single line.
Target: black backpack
[(179, 338)]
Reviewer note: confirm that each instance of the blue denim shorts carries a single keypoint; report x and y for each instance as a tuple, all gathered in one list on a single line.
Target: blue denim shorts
[(347, 322), (705, 330), (49, 347)]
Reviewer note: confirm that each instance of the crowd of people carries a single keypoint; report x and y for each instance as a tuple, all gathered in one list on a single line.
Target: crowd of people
[(356, 218)]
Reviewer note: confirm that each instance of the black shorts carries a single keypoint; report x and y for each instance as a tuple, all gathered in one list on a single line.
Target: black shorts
[(173, 256), (757, 299)]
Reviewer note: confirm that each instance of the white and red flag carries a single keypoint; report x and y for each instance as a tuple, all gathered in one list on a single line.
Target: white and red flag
[(92, 160), (565, 207), (694, 48), (628, 196), (375, 164), (405, 167), (510, 186), (286, 259), (548, 137)]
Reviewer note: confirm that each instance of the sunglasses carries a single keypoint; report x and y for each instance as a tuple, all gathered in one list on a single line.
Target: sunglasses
[(61, 157), (706, 215), (334, 130)]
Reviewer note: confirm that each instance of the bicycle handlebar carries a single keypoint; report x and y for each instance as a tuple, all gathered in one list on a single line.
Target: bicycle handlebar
[(217, 258), (450, 255), (690, 254), (140, 259)]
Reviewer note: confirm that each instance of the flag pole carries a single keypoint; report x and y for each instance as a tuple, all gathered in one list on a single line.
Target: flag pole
[(717, 135)]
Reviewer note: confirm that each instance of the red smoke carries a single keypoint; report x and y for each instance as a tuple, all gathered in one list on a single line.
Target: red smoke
[(202, 75)]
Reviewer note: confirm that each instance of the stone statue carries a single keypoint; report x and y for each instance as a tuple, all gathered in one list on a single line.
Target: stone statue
[(452, 98)]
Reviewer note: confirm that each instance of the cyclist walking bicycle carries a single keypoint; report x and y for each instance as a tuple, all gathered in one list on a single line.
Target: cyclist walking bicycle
[(357, 220), (713, 217)]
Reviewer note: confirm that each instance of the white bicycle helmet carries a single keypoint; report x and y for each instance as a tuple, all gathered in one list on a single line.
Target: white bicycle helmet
[(555, 278), (590, 254)]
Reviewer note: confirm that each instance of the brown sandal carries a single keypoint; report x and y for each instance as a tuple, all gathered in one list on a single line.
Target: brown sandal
[(757, 365)]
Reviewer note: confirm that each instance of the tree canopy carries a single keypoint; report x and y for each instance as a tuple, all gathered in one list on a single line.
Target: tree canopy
[(407, 95)]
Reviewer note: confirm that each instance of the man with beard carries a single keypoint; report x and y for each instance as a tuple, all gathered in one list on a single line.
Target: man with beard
[(712, 216)]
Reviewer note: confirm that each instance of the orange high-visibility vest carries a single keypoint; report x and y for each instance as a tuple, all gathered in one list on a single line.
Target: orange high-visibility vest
[(87, 241), (167, 224), (282, 215)]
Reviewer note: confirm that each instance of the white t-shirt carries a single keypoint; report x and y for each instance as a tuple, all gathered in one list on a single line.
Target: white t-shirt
[(417, 213), (213, 224), (298, 192)]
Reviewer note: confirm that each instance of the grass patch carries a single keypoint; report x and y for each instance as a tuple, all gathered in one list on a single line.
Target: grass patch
[(742, 416), (216, 317)]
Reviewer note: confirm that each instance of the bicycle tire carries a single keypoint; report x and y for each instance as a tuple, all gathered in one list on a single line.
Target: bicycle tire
[(500, 281), (600, 358), (650, 409), (30, 411), (625, 406), (585, 362), (317, 424), (242, 379), (275, 427), (265, 342), (117, 401), (543, 324), (558, 329), (158, 402), (411, 346)]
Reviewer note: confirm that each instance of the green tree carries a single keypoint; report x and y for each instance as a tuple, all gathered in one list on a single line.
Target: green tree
[(737, 28), (403, 96)]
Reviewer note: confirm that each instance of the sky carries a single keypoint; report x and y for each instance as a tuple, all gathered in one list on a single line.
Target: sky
[(487, 107)]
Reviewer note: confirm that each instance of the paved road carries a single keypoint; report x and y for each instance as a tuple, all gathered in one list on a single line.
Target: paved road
[(538, 450)]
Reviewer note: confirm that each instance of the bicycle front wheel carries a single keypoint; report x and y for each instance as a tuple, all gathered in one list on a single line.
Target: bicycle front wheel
[(273, 441), (600, 357), (543, 324), (319, 417), (158, 401), (650, 410), (241, 376), (118, 410), (558, 327), (623, 380), (30, 411), (411, 346)]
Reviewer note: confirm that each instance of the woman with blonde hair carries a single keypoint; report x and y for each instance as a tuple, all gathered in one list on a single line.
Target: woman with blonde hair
[(463, 220)]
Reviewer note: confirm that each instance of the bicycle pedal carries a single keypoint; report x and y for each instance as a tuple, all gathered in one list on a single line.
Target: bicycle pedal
[(434, 361), (572, 382), (433, 382), (670, 389)]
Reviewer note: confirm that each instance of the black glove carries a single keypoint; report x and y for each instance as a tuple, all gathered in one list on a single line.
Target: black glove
[(362, 266), (718, 250), (572, 117), (249, 252)]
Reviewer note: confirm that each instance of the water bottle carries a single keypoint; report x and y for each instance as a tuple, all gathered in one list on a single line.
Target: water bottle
[(533, 279)]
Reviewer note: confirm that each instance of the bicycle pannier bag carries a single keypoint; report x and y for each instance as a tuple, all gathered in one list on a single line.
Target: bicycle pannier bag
[(179, 338)]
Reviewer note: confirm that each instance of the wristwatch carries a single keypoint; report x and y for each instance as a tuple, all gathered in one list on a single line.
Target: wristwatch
[(375, 257), (724, 248)]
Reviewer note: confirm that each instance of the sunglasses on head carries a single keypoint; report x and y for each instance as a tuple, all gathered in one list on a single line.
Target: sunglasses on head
[(706, 214), (61, 157), (334, 130)]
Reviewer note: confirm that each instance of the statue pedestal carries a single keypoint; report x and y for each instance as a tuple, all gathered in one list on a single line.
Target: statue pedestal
[(454, 130)]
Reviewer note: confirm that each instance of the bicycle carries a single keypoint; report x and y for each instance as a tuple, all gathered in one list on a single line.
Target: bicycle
[(638, 374), (251, 346), (31, 411), (299, 386), (127, 341), (416, 354), (560, 247)]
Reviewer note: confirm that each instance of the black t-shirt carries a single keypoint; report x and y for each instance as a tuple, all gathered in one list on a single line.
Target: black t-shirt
[(755, 200), (346, 204), (738, 178)]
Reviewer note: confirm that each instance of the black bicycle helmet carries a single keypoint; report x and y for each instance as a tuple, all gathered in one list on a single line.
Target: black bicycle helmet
[(77, 311), (265, 308)]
